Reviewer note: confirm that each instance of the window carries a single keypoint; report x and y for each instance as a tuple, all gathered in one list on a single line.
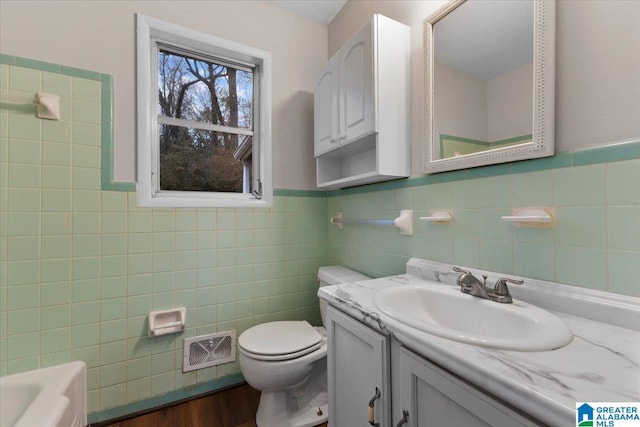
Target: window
[(204, 121)]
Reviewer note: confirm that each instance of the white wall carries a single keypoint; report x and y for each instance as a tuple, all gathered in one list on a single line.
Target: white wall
[(597, 66), (597, 72), (100, 36), (460, 104), (510, 104), (486, 110)]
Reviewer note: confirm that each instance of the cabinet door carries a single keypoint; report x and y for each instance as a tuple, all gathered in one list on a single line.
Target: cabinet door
[(356, 87), (434, 398), (358, 363), (326, 109)]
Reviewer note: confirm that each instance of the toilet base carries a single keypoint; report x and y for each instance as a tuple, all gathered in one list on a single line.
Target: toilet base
[(275, 410), (303, 405)]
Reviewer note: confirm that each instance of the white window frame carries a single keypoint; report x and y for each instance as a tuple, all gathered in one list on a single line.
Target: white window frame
[(150, 33)]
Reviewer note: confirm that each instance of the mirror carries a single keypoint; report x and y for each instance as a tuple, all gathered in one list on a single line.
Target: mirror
[(489, 83)]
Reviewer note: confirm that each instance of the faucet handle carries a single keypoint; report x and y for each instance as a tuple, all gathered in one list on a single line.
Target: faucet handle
[(465, 278), (501, 291)]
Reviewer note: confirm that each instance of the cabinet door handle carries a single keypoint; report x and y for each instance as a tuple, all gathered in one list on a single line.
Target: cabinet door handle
[(333, 140), (405, 418), (372, 415), (343, 137)]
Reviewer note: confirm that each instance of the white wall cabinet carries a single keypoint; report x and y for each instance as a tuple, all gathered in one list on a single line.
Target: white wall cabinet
[(361, 108), (326, 108), (357, 365), (344, 110), (360, 359)]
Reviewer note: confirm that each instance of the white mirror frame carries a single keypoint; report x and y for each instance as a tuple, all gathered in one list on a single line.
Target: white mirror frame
[(543, 89)]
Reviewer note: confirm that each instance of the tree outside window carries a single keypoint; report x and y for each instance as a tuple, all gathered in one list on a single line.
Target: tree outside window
[(205, 120)]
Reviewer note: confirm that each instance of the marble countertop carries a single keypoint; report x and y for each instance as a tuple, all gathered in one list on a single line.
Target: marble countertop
[(601, 364)]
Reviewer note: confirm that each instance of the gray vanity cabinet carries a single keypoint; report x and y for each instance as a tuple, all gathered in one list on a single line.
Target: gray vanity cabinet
[(434, 397), (361, 360), (358, 365)]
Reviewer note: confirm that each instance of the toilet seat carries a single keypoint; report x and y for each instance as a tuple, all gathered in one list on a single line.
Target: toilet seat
[(282, 340)]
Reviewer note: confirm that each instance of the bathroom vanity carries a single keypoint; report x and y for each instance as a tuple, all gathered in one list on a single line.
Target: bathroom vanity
[(424, 379), (360, 366)]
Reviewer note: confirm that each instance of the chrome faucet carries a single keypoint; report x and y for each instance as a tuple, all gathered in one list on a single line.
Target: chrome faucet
[(470, 284)]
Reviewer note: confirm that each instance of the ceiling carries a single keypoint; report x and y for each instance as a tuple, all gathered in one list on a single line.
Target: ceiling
[(322, 11)]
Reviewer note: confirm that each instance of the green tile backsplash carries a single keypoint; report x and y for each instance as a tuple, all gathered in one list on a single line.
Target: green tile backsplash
[(81, 265), (594, 244)]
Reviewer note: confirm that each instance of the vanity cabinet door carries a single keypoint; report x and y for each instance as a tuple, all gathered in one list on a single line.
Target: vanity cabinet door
[(357, 364), (433, 398)]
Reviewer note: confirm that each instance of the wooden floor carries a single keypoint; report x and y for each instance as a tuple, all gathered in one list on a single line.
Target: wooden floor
[(235, 407)]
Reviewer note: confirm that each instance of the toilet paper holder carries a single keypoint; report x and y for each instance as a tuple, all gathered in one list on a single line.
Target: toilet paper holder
[(167, 321)]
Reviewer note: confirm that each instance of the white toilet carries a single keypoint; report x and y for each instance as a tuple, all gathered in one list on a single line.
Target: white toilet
[(287, 362)]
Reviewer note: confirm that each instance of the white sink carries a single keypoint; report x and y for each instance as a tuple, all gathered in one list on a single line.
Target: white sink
[(444, 311), (48, 397)]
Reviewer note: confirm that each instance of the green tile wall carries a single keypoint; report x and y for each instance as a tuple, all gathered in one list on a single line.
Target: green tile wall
[(81, 266), (594, 244)]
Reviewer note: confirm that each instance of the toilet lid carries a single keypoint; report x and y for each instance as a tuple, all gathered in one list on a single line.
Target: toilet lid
[(280, 338)]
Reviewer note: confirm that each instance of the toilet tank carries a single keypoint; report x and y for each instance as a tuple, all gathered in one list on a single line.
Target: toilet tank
[(335, 275)]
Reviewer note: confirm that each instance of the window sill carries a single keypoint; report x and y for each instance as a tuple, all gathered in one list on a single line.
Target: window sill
[(212, 201)]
